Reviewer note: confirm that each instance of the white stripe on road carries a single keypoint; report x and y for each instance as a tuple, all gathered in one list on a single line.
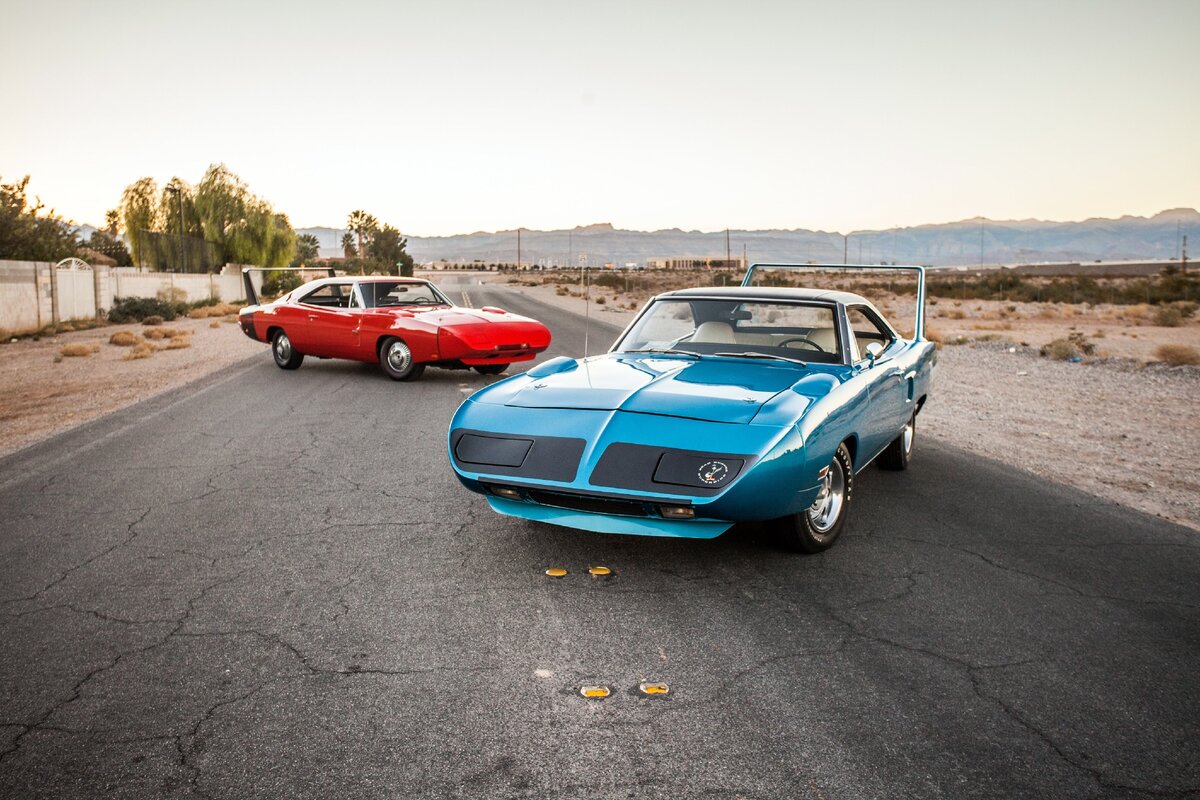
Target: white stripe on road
[(467, 300)]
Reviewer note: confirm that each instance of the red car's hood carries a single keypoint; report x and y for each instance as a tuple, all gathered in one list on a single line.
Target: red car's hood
[(455, 315)]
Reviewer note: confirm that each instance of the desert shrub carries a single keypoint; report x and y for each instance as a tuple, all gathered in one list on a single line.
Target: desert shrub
[(123, 339), (140, 350), (156, 334), (212, 309), (1177, 354), (136, 309), (1168, 317), (78, 350), (153, 319), (1074, 345), (934, 335), (601, 301), (178, 343), (216, 323)]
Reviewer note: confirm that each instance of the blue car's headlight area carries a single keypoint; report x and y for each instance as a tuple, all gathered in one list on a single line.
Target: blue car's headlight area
[(646, 468)]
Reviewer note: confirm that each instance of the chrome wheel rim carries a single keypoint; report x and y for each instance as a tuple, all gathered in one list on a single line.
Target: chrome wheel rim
[(283, 347), (909, 430), (824, 512), (399, 357)]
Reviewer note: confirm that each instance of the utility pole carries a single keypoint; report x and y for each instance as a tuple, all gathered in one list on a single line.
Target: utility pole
[(1183, 257), (845, 247), (518, 248), (727, 259)]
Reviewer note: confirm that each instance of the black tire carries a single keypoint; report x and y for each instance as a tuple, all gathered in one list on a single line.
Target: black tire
[(397, 362), (491, 369), (286, 356), (899, 452), (818, 527)]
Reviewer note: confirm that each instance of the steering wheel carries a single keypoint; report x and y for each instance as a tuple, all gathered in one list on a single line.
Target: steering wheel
[(418, 301), (803, 340)]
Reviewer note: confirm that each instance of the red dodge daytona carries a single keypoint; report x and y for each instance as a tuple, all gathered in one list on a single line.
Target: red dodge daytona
[(403, 324)]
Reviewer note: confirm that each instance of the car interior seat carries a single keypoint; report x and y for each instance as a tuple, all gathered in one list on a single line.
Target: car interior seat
[(713, 331)]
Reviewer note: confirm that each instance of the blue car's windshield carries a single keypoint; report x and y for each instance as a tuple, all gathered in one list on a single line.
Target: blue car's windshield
[(731, 328)]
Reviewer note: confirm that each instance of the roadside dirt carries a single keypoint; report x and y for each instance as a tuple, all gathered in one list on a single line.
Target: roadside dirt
[(40, 396)]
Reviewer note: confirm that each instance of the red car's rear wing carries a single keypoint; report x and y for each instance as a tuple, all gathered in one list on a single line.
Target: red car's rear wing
[(252, 293), (918, 329)]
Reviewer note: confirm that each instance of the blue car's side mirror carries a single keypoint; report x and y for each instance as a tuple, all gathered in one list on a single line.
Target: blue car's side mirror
[(873, 351)]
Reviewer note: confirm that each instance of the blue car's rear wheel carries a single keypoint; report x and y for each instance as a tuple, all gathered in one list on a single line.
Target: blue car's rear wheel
[(817, 527), (899, 452)]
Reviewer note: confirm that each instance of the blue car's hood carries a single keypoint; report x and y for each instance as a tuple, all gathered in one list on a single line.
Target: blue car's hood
[(717, 390)]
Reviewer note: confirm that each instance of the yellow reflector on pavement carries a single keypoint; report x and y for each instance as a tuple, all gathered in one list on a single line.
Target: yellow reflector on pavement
[(556, 572), (600, 571), (595, 692), (645, 687)]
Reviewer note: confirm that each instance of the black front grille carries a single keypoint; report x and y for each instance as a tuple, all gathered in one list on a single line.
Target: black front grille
[(581, 502)]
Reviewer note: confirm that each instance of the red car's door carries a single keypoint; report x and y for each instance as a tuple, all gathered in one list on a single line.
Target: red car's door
[(333, 319)]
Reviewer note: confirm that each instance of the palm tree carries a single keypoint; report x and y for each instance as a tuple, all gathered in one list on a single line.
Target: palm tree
[(364, 225), (348, 245)]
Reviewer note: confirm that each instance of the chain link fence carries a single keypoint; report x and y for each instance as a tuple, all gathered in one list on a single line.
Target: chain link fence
[(169, 251)]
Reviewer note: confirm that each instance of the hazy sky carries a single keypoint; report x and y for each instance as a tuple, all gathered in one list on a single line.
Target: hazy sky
[(450, 116)]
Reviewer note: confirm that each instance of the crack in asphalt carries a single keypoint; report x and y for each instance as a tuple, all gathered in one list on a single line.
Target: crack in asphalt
[(132, 534)]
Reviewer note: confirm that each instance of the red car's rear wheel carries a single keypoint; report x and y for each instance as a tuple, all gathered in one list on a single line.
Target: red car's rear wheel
[(286, 356), (491, 369)]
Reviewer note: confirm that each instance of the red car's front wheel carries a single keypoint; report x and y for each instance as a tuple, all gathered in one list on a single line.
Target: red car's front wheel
[(397, 361)]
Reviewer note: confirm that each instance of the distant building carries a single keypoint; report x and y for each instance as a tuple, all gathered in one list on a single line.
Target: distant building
[(696, 263)]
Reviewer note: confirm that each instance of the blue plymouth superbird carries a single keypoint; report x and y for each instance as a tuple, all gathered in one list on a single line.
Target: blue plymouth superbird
[(714, 406)]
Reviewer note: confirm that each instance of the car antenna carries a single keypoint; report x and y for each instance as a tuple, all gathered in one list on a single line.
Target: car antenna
[(587, 307)]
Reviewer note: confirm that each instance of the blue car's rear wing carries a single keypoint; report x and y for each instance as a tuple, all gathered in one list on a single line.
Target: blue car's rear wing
[(252, 293), (918, 329)]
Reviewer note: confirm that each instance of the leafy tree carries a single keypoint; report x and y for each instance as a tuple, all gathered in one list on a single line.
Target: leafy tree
[(139, 211), (348, 249), (364, 225), (389, 253), (221, 200), (261, 237), (220, 210), (307, 249), (27, 236)]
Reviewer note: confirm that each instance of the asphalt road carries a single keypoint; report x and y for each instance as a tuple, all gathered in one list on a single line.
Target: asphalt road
[(269, 584)]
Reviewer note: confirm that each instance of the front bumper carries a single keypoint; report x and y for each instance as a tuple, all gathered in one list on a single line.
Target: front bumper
[(565, 474)]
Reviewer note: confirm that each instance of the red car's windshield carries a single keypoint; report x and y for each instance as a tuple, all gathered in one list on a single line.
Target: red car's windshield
[(384, 294)]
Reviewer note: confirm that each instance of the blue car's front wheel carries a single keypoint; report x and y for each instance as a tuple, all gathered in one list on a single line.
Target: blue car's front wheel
[(817, 527)]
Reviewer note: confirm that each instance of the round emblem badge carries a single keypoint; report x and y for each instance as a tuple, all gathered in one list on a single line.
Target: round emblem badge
[(713, 472)]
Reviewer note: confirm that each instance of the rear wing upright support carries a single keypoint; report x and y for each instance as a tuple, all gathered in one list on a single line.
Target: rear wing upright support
[(252, 293), (918, 329)]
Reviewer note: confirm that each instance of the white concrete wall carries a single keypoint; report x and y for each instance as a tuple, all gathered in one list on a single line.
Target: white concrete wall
[(26, 291)]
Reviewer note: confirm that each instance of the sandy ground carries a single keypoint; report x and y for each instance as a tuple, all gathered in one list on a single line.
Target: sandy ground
[(1114, 427)]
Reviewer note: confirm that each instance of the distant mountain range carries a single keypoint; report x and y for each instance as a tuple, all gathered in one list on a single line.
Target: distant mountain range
[(952, 243)]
